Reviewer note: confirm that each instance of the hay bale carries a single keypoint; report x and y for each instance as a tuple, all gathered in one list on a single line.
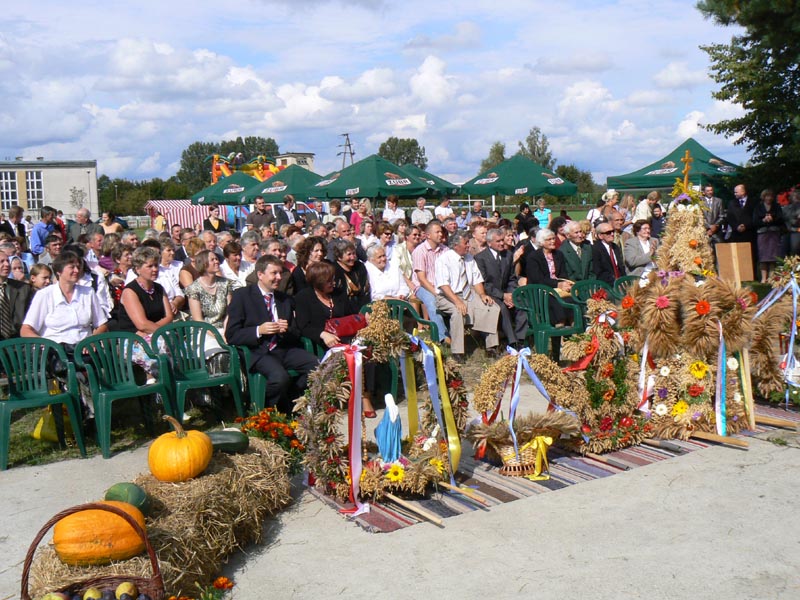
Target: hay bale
[(194, 525)]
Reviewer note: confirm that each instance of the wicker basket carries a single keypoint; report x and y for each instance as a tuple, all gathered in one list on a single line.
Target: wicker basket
[(525, 464), (152, 586)]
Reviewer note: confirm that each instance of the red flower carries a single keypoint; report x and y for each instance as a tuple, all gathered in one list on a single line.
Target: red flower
[(662, 302), (414, 347), (455, 383), (628, 302), (585, 428), (702, 307), (609, 334), (695, 390), (626, 422), (606, 424), (626, 337), (600, 294)]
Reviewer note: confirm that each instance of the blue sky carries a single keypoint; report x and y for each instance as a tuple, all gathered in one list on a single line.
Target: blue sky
[(613, 84)]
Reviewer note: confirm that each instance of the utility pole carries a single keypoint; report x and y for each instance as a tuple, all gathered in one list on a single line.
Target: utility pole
[(348, 149)]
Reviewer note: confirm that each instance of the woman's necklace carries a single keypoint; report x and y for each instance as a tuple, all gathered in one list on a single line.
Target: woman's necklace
[(211, 288), (328, 302), (144, 284)]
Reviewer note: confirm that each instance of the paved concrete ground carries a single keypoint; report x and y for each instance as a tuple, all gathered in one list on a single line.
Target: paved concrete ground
[(718, 523)]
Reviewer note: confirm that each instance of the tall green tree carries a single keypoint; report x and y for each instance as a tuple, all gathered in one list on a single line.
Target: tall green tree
[(497, 154), (537, 148), (759, 71), (583, 179), (402, 151), (195, 169)]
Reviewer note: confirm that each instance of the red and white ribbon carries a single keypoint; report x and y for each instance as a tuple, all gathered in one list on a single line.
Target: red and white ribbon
[(354, 360)]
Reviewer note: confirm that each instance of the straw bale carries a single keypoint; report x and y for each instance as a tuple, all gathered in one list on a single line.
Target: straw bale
[(194, 525)]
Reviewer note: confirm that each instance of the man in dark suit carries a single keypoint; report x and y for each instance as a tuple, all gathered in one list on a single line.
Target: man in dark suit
[(80, 226), (17, 296), (499, 281), (261, 318), (13, 225), (288, 214), (577, 253), (313, 213), (187, 233), (606, 255), (739, 216)]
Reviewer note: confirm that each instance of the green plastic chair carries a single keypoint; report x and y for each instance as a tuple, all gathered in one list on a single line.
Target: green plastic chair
[(398, 309), (622, 284), (185, 342), (257, 382), (534, 300), (582, 291), (24, 361), (313, 347), (107, 359)]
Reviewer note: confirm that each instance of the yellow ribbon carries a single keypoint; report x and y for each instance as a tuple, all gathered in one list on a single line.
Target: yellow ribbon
[(453, 441), (540, 443), (411, 396)]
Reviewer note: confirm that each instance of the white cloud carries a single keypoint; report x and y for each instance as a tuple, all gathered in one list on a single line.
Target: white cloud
[(678, 76), (431, 85), (466, 34), (580, 62), (367, 86), (690, 124), (647, 98)]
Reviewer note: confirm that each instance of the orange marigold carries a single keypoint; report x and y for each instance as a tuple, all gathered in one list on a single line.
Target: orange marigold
[(702, 307), (628, 302), (693, 244), (223, 583), (698, 261), (609, 395)]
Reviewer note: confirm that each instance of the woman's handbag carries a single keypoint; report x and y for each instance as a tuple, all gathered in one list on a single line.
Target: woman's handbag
[(346, 326)]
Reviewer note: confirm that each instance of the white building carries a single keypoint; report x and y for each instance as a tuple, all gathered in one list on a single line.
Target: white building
[(66, 185), (303, 159)]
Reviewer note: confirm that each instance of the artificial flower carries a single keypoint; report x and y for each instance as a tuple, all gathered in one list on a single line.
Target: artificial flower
[(607, 370), (661, 409), (737, 398), (664, 372), (438, 464), (753, 298), (626, 422), (742, 303), (663, 393), (732, 363), (609, 395), (696, 415), (702, 307), (681, 207), (695, 390), (698, 261), (680, 408), (662, 302), (396, 473), (627, 302), (600, 294), (606, 424), (693, 244), (698, 369)]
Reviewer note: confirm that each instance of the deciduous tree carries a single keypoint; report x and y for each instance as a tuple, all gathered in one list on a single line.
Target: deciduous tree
[(497, 154), (402, 151), (537, 148), (758, 70)]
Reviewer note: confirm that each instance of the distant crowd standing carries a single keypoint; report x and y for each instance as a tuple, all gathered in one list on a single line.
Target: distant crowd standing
[(288, 272)]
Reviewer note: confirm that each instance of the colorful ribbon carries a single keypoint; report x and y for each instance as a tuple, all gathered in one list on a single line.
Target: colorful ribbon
[(354, 361), (644, 404), (410, 388), (540, 443), (722, 376)]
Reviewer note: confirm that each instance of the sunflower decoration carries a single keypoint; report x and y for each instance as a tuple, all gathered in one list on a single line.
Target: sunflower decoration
[(323, 416), (683, 397)]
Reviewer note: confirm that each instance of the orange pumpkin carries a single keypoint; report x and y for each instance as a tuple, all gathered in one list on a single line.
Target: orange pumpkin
[(97, 537), (179, 455)]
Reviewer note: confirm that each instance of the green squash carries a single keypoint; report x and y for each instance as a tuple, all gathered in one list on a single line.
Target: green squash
[(130, 493), (229, 440)]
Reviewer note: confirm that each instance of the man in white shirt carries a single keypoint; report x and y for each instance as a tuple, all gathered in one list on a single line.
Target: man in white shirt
[(462, 296), (392, 212), (644, 210), (421, 215), (443, 211)]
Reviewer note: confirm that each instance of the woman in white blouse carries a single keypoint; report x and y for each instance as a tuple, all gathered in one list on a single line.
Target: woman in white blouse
[(385, 284)]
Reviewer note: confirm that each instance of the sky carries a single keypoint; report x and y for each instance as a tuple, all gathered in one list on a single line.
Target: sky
[(613, 84)]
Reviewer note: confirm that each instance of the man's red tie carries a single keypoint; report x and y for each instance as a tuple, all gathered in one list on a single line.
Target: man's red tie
[(614, 262)]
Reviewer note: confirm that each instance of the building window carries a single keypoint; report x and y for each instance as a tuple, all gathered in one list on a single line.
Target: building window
[(33, 181), (8, 189)]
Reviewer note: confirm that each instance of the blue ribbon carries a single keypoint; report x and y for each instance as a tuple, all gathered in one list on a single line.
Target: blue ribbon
[(722, 366), (791, 362)]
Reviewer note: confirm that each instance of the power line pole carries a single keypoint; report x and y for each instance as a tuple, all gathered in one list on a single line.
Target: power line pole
[(348, 149)]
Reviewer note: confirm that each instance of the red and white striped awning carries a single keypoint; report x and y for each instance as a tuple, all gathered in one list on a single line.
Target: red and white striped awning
[(177, 212)]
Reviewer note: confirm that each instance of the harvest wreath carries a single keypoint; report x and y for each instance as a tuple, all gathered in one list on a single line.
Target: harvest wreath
[(326, 428)]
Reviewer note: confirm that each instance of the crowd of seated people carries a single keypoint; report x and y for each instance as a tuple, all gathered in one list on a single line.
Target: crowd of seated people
[(286, 273)]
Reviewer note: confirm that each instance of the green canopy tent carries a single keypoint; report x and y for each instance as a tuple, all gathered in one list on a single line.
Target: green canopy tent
[(706, 168), (372, 177), (519, 176), (226, 191), (294, 180), (436, 184)]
